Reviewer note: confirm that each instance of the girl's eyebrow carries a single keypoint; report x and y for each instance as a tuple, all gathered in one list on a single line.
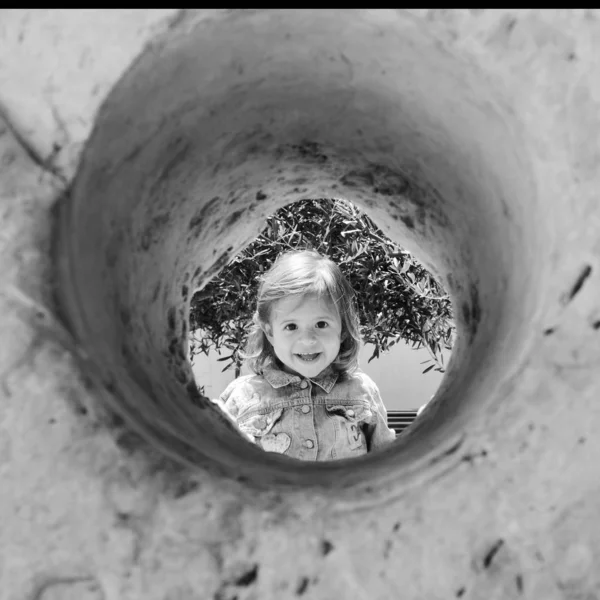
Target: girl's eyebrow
[(319, 318)]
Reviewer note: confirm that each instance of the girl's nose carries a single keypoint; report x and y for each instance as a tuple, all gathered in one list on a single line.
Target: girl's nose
[(309, 338)]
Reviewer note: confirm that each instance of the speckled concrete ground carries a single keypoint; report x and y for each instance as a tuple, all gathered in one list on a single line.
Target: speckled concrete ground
[(139, 150)]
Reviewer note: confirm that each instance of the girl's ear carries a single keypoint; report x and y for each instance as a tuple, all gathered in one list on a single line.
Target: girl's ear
[(267, 330)]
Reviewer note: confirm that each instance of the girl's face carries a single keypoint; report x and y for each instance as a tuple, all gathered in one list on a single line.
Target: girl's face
[(305, 333)]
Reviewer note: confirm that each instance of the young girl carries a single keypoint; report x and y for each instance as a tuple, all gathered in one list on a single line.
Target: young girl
[(306, 398)]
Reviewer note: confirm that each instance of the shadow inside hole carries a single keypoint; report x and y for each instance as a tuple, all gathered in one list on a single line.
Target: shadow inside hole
[(405, 313)]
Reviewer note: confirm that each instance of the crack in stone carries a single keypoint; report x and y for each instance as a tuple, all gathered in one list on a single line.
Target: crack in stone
[(45, 164), (581, 279), (45, 591)]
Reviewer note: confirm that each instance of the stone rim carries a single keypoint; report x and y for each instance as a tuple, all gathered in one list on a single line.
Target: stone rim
[(434, 444)]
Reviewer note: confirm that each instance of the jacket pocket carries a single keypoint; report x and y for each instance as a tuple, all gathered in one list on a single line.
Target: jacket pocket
[(259, 424), (351, 419)]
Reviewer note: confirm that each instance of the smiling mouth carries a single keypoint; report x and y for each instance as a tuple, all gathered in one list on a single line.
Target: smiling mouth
[(309, 357)]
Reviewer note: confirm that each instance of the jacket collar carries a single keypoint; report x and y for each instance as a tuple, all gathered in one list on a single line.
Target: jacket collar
[(278, 378)]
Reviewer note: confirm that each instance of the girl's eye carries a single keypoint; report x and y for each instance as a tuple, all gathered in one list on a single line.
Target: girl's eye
[(322, 324), (290, 327)]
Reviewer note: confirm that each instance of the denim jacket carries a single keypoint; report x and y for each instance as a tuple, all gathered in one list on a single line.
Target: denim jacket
[(329, 417)]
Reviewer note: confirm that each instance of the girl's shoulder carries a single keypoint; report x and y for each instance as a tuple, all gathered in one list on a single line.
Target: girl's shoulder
[(244, 382), (361, 379), (367, 389), (242, 393)]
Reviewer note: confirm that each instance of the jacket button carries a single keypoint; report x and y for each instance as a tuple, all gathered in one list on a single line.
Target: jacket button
[(309, 444), (305, 408), (304, 384)]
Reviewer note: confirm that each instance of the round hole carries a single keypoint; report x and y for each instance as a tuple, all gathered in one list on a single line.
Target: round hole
[(211, 130)]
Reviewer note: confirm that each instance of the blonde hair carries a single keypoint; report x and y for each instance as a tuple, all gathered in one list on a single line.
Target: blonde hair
[(300, 273)]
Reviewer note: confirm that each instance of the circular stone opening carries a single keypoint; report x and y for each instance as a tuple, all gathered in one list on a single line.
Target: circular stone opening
[(233, 114), (405, 314)]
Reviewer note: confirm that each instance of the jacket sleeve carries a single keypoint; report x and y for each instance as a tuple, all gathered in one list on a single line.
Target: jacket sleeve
[(377, 432), (228, 405)]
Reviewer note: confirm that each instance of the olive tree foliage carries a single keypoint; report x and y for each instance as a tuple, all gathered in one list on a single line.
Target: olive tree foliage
[(397, 298)]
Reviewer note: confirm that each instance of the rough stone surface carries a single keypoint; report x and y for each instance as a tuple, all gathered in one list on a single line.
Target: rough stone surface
[(470, 135)]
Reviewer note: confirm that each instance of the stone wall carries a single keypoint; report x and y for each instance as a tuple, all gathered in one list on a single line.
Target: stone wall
[(139, 150)]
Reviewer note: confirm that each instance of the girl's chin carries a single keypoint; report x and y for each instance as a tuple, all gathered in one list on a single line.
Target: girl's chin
[(310, 370)]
